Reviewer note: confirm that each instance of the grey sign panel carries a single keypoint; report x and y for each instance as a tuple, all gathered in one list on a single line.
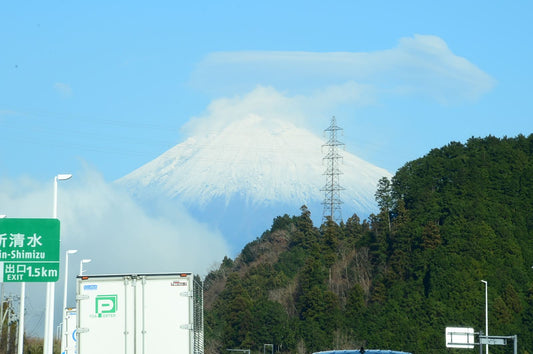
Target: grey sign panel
[(492, 341)]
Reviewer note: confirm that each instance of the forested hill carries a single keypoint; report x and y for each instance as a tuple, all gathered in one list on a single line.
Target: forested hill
[(458, 215)]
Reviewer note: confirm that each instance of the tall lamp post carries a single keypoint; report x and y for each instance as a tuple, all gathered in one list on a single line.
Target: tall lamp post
[(66, 277), (48, 344), (486, 314), (63, 326), (81, 264)]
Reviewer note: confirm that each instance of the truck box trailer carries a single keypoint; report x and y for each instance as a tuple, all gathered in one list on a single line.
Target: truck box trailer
[(139, 314)]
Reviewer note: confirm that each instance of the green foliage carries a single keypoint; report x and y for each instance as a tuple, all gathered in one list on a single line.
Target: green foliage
[(281, 223), (460, 214)]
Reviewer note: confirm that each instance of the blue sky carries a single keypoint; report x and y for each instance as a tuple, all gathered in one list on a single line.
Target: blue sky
[(98, 89), (114, 85)]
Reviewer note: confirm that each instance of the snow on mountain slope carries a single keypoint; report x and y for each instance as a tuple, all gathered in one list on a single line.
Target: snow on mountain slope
[(260, 161)]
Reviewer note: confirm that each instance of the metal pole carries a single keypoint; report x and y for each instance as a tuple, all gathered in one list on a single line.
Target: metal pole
[(49, 314), (81, 264), (66, 277), (480, 346), (486, 314), (48, 344), (21, 318), (8, 337), (63, 323)]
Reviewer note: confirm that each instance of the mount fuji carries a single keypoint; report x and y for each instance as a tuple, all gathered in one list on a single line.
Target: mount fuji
[(239, 179)]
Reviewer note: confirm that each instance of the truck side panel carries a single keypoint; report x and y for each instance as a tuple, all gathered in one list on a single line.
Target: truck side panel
[(135, 314), (103, 322), (166, 315)]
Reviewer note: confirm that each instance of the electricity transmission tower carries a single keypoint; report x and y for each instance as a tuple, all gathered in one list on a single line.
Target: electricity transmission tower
[(332, 189)]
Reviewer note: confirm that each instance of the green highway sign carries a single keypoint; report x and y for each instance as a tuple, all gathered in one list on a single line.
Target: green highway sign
[(29, 250)]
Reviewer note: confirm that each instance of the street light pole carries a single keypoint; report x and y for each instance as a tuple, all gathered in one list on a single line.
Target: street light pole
[(63, 325), (48, 344), (81, 264), (66, 276), (486, 314)]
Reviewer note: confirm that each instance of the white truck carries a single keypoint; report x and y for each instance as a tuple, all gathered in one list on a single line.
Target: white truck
[(139, 314)]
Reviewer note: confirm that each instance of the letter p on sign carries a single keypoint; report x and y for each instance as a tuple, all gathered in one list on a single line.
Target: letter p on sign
[(106, 304)]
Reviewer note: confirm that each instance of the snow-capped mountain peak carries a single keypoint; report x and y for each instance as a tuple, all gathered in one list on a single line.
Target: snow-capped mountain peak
[(261, 161)]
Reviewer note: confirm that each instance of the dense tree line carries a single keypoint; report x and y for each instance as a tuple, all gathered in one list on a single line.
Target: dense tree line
[(460, 214)]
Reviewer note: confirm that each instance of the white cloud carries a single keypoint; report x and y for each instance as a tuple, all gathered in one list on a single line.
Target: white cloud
[(420, 65), (427, 66), (107, 226), (262, 101), (120, 236), (312, 110)]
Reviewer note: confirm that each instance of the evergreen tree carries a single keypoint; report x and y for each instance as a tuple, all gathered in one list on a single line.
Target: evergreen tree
[(385, 199)]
